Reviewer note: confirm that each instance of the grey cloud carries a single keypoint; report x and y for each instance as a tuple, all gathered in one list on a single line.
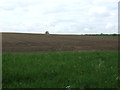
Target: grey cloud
[(65, 17), (7, 8), (63, 21), (58, 9)]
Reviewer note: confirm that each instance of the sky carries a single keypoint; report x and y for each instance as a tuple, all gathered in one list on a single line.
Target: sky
[(59, 16)]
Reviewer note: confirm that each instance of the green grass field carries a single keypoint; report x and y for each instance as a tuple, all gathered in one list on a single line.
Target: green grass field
[(110, 35), (60, 70)]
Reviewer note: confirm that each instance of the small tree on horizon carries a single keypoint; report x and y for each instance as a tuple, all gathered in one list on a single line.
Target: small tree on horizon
[(46, 32)]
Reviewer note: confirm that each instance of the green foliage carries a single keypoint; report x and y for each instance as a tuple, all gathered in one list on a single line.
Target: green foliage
[(60, 70), (117, 35)]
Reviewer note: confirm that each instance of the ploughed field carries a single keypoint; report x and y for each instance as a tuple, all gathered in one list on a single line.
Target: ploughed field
[(21, 42)]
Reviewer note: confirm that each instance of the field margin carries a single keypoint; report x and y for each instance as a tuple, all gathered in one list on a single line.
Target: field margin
[(0, 60), (118, 43)]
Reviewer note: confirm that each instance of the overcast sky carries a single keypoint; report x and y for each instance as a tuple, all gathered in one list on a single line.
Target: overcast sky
[(59, 16)]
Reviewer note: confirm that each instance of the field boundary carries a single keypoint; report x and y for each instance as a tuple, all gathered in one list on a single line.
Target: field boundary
[(0, 60)]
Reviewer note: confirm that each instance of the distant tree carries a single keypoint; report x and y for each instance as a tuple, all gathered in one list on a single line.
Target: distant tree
[(46, 32), (114, 34), (101, 33)]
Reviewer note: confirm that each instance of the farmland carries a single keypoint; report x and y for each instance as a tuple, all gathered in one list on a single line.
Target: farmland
[(59, 61), (15, 42)]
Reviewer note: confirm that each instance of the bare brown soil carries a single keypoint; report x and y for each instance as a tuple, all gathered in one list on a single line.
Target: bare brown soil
[(17, 42)]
